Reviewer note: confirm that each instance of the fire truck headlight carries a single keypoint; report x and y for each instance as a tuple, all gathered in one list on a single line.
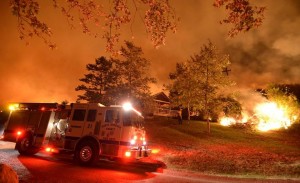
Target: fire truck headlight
[(132, 142), (127, 153)]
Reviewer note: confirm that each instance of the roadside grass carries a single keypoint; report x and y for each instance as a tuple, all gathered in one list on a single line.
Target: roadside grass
[(226, 150)]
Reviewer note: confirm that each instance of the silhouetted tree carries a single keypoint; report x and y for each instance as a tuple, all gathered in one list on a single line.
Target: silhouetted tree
[(184, 90), (241, 15), (101, 78), (133, 75), (198, 81), (108, 17), (293, 89), (116, 80)]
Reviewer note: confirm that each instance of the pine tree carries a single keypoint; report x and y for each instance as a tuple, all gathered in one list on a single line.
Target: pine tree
[(134, 77), (98, 82), (114, 81)]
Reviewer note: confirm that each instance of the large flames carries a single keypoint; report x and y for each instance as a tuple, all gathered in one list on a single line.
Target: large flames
[(267, 116), (272, 117)]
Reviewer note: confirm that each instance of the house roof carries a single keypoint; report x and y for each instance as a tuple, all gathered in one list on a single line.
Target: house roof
[(161, 96)]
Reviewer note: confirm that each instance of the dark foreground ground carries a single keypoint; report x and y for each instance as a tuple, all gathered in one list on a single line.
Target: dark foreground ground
[(49, 169), (236, 151)]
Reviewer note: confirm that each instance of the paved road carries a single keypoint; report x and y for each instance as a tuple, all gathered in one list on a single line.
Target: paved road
[(43, 168)]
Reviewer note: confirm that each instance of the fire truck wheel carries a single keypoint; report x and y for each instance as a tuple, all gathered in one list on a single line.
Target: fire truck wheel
[(24, 146), (86, 153)]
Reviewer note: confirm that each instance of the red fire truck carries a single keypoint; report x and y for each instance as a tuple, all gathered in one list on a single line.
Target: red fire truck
[(89, 131)]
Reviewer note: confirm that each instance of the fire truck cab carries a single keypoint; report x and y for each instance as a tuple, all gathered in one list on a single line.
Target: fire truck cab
[(89, 131)]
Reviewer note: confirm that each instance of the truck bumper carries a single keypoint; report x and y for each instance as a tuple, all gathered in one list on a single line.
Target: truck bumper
[(140, 153)]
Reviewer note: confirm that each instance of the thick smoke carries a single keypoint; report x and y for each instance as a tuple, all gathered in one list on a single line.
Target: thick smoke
[(249, 99), (269, 54)]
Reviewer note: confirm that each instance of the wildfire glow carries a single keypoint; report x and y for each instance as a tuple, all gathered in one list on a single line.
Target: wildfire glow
[(267, 116), (155, 151), (271, 117), (227, 121), (245, 117), (13, 107)]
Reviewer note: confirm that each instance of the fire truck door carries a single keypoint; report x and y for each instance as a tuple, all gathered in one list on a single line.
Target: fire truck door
[(111, 128), (110, 132), (76, 123), (90, 122)]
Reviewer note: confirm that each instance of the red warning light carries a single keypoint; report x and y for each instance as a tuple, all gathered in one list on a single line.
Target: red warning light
[(51, 150), (127, 153), (48, 149), (19, 133)]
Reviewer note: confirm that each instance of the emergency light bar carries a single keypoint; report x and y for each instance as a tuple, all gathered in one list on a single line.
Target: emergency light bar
[(127, 106)]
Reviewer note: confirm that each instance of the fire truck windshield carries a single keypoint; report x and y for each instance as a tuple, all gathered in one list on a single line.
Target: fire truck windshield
[(131, 118)]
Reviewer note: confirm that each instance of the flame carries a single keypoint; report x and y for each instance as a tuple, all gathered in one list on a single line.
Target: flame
[(227, 121), (267, 116), (272, 117), (245, 117)]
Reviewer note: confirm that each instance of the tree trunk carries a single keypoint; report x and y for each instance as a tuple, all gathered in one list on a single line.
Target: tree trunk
[(188, 109), (206, 99), (208, 125), (207, 113)]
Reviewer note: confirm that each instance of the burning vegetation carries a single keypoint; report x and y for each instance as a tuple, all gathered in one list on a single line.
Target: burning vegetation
[(279, 109)]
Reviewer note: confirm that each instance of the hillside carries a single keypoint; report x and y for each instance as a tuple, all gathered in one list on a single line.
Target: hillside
[(227, 150)]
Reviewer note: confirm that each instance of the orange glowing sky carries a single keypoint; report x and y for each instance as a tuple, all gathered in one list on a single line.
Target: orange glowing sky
[(34, 73)]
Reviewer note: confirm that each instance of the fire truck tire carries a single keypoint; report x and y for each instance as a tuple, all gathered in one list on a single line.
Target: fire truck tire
[(24, 146), (86, 153)]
